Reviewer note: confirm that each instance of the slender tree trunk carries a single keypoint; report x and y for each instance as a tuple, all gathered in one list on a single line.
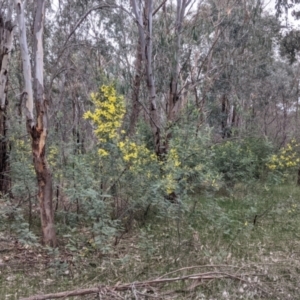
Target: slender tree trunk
[(6, 37), (224, 114), (174, 97), (155, 121), (144, 20), (38, 129), (284, 121), (39, 133), (136, 90)]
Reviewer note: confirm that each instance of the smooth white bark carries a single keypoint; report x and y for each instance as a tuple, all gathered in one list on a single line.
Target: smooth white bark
[(28, 91), (39, 67)]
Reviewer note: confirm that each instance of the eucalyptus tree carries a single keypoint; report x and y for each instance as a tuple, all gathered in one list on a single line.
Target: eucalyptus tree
[(186, 50), (245, 53), (6, 42), (165, 36), (37, 114)]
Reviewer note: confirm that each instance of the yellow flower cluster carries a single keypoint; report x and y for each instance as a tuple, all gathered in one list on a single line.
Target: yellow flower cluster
[(107, 118), (173, 157), (134, 153), (170, 166), (170, 183), (108, 114), (129, 150), (287, 157)]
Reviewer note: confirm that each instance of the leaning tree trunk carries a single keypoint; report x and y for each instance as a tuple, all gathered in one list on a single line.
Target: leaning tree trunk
[(38, 129), (6, 37)]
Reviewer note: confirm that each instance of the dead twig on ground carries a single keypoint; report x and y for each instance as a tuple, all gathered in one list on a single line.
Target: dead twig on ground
[(139, 284)]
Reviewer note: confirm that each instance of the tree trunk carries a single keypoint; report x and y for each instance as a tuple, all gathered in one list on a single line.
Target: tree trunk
[(174, 94), (144, 21), (39, 133), (224, 116), (136, 90), (6, 37), (45, 189), (38, 129), (154, 112)]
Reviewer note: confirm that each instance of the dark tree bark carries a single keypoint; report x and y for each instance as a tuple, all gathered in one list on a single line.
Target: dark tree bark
[(6, 35)]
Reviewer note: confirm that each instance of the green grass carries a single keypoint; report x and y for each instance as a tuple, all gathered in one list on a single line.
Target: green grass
[(212, 230)]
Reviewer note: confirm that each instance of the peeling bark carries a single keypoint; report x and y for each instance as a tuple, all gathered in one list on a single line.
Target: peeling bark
[(38, 129), (39, 134)]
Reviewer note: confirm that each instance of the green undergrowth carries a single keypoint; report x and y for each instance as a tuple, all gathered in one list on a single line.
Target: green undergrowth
[(248, 231)]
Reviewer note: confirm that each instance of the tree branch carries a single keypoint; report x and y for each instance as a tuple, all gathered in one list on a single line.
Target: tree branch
[(139, 284)]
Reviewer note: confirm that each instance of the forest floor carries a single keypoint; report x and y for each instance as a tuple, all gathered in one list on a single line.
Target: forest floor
[(242, 244)]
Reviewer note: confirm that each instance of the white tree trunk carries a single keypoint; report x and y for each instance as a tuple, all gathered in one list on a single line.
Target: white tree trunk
[(144, 20), (28, 91), (38, 130)]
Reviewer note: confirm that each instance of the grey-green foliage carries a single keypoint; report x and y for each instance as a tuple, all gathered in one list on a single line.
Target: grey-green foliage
[(104, 195), (243, 160), (243, 58), (85, 203), (19, 206), (12, 220)]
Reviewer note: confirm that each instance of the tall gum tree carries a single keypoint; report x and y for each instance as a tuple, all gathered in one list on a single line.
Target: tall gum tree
[(37, 126), (144, 13), (6, 38), (144, 18)]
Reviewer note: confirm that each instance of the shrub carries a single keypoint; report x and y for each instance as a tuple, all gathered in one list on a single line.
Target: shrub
[(242, 160), (284, 163)]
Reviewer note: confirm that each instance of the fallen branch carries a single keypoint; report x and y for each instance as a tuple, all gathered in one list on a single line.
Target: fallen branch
[(196, 267), (102, 289)]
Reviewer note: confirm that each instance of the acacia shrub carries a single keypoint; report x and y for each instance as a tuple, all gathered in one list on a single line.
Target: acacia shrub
[(284, 163), (130, 170)]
